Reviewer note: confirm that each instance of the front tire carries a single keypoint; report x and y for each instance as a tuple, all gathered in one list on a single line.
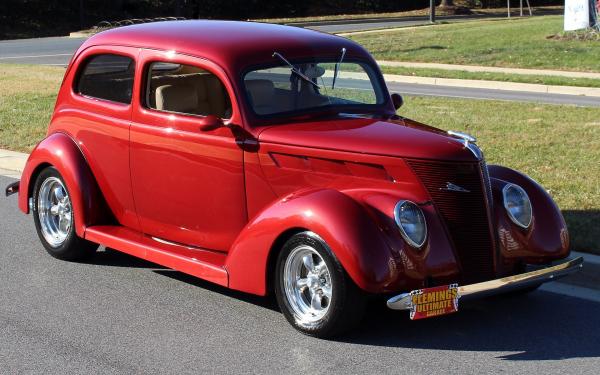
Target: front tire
[(313, 290), (54, 219)]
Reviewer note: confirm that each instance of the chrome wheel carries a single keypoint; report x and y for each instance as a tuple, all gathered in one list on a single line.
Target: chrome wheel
[(54, 211), (307, 285)]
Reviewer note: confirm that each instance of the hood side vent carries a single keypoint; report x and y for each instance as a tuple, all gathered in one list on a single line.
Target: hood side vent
[(330, 166)]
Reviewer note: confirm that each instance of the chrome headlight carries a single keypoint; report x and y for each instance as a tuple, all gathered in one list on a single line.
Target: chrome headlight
[(517, 205), (411, 221)]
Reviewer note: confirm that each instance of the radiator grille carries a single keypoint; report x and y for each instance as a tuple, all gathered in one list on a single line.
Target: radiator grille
[(465, 214)]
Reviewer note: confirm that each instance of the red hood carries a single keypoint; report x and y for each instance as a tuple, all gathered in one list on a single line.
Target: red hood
[(400, 137)]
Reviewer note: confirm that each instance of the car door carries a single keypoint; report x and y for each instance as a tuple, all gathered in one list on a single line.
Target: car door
[(96, 112), (188, 183)]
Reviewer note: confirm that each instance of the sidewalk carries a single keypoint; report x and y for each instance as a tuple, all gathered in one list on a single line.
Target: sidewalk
[(12, 163), (491, 69), (495, 85)]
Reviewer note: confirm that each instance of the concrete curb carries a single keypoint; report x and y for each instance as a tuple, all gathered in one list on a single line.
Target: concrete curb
[(495, 85), (490, 69), (12, 162)]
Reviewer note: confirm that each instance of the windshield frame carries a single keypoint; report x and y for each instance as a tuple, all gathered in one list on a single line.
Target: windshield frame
[(372, 71)]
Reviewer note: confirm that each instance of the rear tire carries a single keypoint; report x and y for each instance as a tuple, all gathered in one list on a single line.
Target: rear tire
[(54, 218), (313, 290)]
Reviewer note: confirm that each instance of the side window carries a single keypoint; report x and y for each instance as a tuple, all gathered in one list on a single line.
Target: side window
[(186, 89), (108, 77)]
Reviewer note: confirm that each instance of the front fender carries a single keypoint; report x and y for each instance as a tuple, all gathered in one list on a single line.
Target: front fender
[(546, 239), (60, 151), (343, 223)]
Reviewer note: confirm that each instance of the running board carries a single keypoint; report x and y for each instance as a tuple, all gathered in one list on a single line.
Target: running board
[(205, 264)]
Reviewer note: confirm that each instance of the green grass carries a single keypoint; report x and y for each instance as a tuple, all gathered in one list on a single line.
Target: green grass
[(515, 43), (424, 12), (26, 103), (503, 77), (559, 146)]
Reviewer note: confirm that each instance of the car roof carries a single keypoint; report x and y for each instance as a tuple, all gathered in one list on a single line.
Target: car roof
[(233, 45)]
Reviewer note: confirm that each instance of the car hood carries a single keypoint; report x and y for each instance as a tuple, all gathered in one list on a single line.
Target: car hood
[(391, 137)]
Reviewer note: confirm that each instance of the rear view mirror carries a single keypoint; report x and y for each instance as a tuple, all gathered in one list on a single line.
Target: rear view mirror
[(211, 122), (397, 100)]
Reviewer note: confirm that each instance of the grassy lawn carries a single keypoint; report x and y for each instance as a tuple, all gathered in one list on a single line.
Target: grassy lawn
[(26, 103), (459, 74), (515, 43), (559, 146)]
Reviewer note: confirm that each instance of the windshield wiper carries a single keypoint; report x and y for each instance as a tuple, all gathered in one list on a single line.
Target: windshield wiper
[(295, 71), (337, 67)]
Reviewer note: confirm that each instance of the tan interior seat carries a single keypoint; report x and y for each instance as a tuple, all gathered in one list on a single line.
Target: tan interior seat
[(261, 93), (208, 93), (177, 98)]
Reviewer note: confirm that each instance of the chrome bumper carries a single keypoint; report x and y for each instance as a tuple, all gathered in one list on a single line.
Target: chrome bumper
[(505, 284)]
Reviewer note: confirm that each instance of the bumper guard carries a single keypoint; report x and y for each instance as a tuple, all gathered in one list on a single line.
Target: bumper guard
[(12, 188)]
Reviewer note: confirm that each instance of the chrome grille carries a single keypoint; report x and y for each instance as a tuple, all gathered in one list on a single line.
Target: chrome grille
[(466, 215)]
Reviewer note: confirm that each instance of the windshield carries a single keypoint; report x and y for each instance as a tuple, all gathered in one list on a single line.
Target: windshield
[(310, 86)]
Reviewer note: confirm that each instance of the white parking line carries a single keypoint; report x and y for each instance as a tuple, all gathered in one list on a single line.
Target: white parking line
[(572, 291), (34, 56)]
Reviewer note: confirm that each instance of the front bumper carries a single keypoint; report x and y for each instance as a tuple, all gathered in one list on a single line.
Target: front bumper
[(505, 284)]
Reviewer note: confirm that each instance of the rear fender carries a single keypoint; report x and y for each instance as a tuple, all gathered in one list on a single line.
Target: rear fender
[(61, 152), (338, 219)]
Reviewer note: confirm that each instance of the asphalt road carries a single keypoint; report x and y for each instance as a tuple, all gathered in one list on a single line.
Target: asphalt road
[(117, 314)]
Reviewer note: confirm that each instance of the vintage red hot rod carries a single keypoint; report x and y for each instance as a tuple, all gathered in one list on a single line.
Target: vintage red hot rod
[(268, 158)]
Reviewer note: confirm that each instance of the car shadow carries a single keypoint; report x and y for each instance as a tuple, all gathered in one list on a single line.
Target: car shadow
[(584, 230), (265, 302), (537, 326), (115, 258)]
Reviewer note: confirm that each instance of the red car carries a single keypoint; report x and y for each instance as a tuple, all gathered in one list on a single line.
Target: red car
[(267, 158)]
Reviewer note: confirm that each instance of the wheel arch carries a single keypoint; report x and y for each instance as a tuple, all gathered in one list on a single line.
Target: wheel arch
[(274, 253), (60, 151), (338, 219)]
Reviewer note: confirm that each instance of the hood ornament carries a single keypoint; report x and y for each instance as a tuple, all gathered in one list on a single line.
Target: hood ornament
[(468, 142), (452, 187)]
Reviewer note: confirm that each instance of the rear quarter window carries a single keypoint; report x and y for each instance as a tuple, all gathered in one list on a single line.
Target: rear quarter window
[(107, 77)]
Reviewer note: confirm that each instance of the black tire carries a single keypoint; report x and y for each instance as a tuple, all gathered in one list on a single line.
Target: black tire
[(72, 248), (347, 305)]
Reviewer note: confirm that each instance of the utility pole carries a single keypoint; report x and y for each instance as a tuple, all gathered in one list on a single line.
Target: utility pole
[(432, 11), (508, 7)]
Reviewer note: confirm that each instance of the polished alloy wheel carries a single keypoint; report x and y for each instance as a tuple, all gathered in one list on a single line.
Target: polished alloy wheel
[(307, 284), (54, 211)]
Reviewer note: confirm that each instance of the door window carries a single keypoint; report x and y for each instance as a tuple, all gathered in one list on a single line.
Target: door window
[(186, 89)]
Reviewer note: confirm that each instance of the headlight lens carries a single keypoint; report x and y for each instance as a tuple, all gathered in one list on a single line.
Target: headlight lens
[(411, 221), (517, 205)]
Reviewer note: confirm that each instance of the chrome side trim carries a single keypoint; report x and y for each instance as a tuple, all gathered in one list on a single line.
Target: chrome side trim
[(505, 284)]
